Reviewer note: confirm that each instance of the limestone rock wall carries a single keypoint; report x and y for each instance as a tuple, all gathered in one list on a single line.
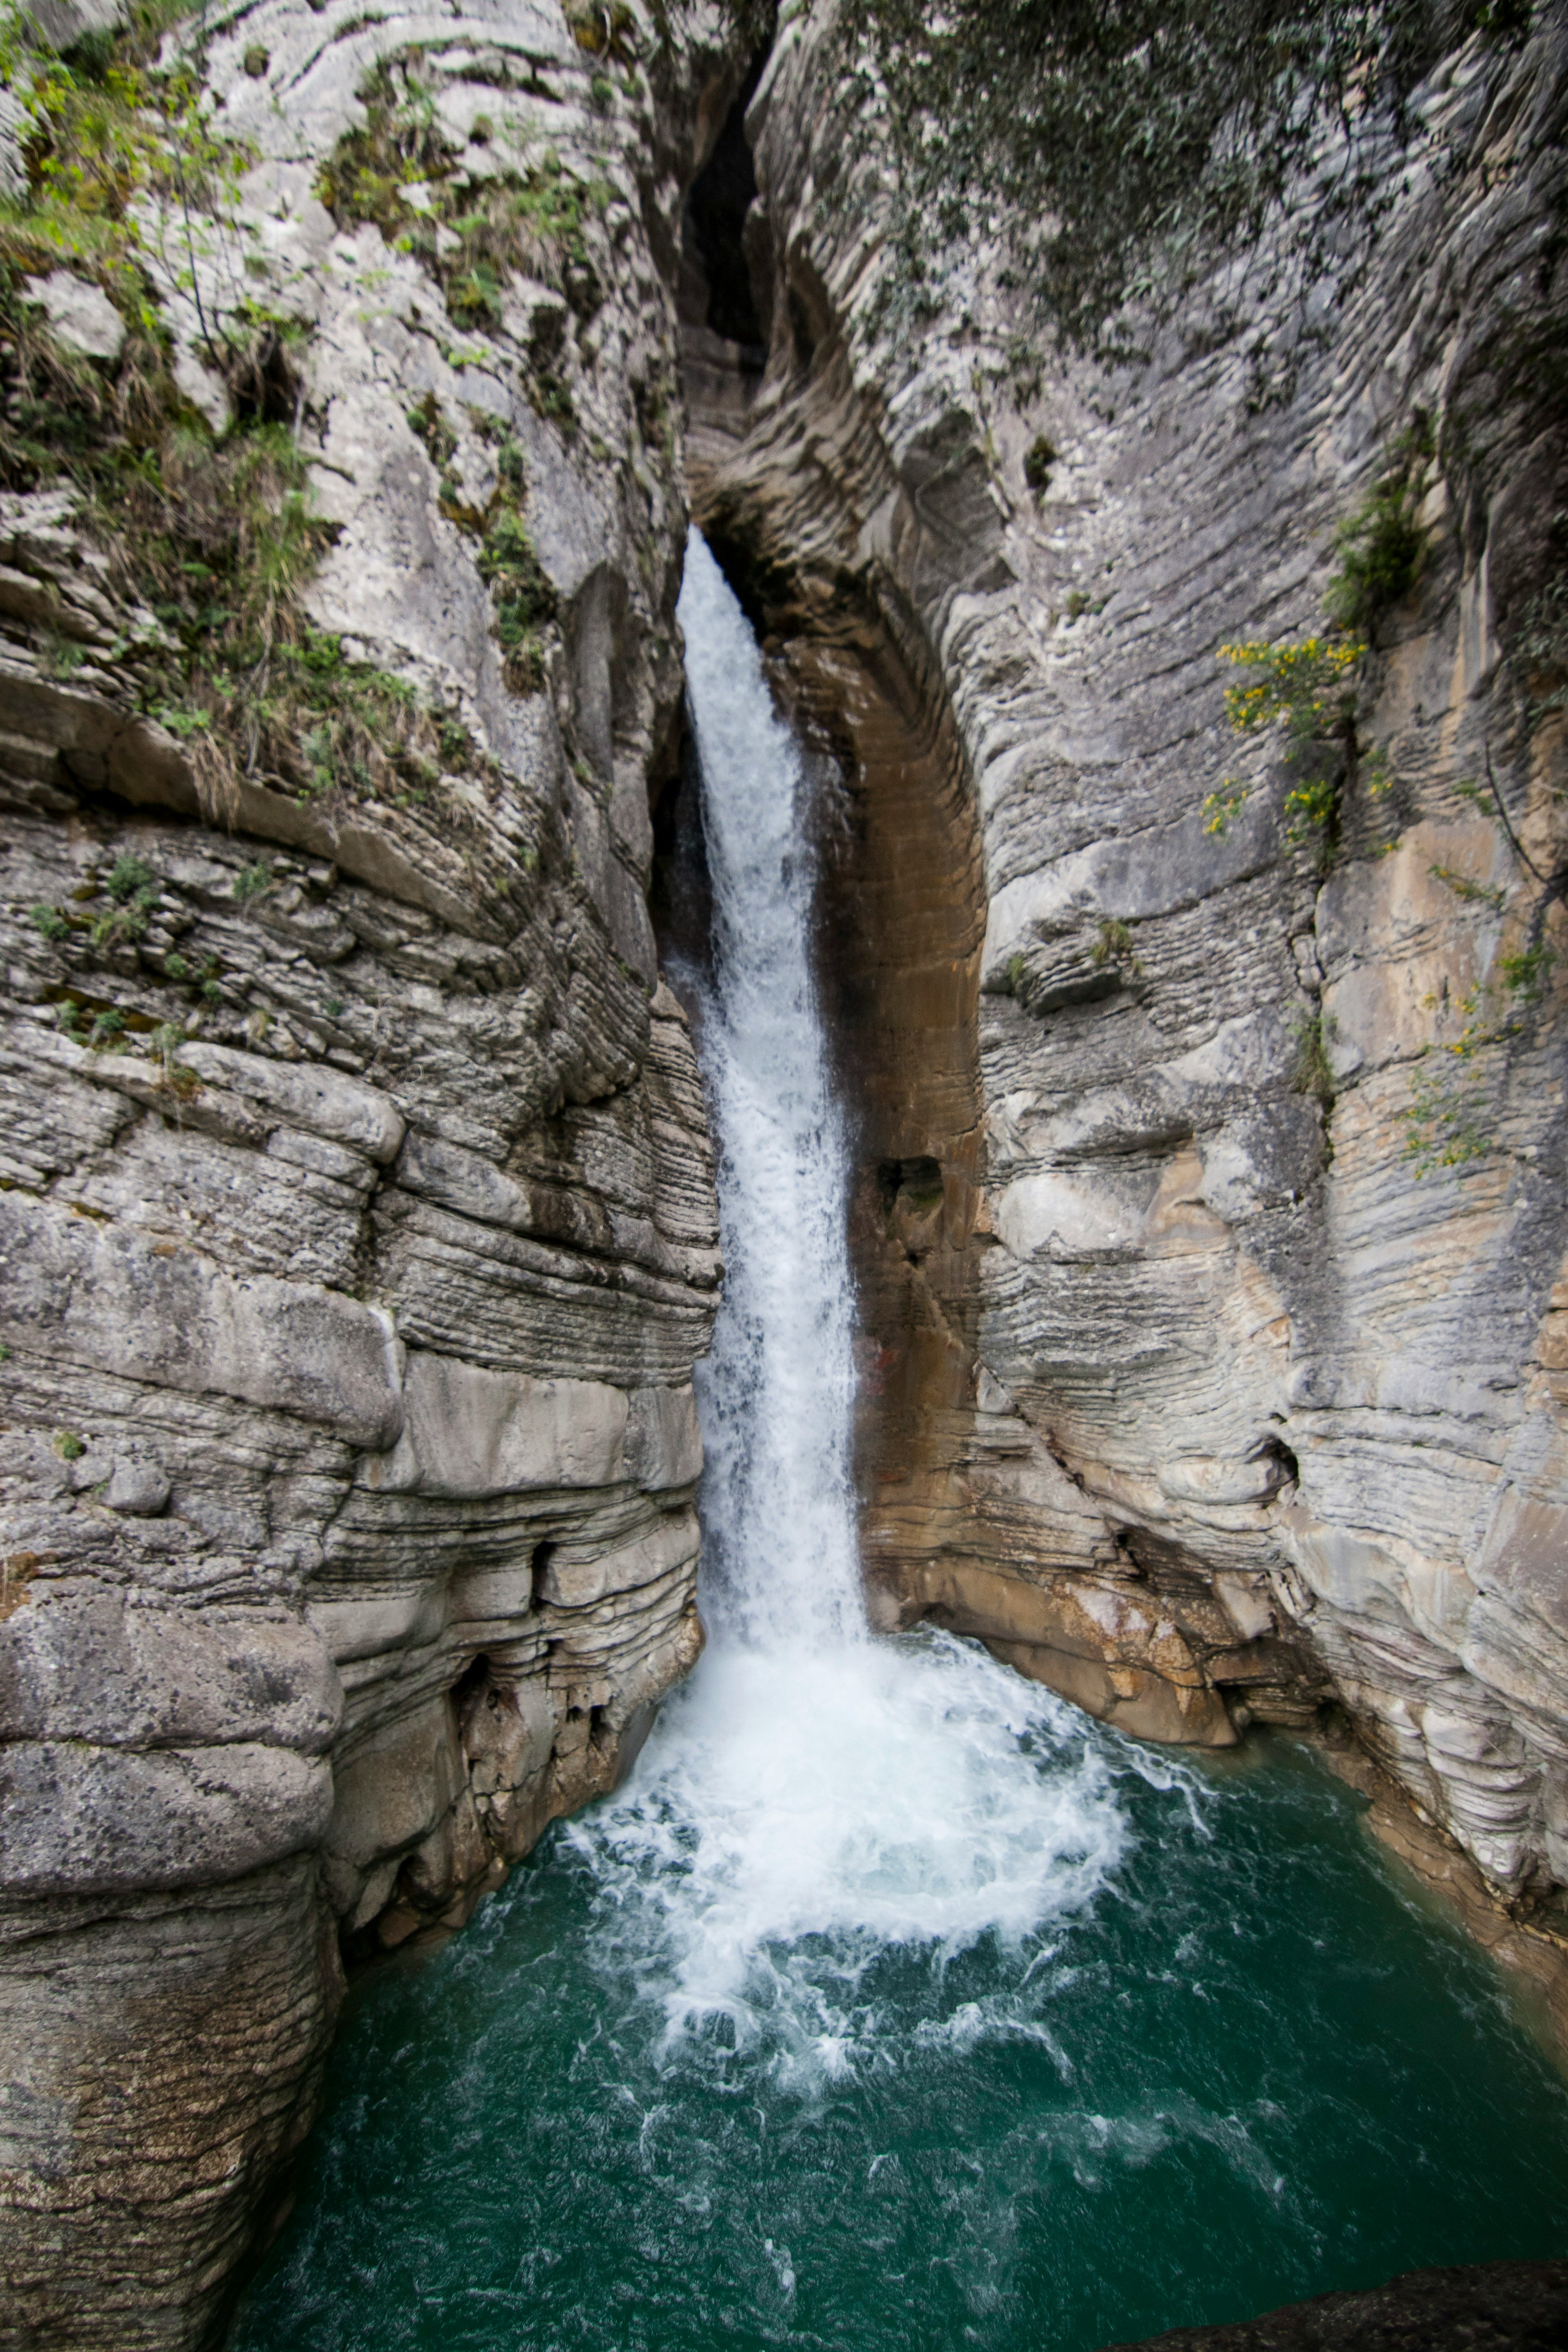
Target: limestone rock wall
[(354, 1269), (1256, 1416)]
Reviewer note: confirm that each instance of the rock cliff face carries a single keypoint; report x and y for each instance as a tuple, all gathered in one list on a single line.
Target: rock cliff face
[(1225, 1407), (357, 1207), (359, 1229)]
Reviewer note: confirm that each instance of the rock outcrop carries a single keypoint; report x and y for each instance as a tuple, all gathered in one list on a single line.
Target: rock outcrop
[(1493, 2307), (1240, 1390), (358, 1214)]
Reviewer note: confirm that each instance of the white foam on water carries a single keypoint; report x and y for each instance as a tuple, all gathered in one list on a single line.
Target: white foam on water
[(815, 1797), (804, 1813)]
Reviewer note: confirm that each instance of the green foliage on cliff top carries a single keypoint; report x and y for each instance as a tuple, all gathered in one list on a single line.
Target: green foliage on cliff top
[(130, 186), (1121, 146)]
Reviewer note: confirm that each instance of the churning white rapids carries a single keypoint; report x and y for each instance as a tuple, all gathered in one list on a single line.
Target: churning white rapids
[(815, 1794)]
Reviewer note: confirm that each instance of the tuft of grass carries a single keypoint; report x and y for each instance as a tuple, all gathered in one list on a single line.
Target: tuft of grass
[(609, 31), (163, 1045), (522, 595), (1541, 645), (429, 424), (1312, 1075), (1114, 945), (67, 1445)]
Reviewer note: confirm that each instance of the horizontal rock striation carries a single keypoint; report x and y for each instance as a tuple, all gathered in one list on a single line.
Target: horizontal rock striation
[(357, 1225), (1257, 1412)]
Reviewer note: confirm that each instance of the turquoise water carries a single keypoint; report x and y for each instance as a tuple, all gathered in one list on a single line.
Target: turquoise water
[(1231, 2062)]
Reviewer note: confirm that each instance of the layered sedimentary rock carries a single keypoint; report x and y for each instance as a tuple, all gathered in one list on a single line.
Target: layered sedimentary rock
[(359, 1229), (1244, 1410)]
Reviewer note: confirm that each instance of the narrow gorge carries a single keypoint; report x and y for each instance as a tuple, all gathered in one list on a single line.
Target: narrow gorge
[(735, 771)]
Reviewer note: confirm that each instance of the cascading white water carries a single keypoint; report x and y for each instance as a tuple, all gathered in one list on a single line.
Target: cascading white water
[(775, 1395), (815, 1795)]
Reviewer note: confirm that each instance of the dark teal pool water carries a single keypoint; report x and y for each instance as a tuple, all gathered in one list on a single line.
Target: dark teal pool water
[(1233, 2062)]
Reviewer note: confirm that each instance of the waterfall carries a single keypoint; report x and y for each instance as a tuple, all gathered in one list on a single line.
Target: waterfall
[(776, 1392), (890, 2002), (815, 1796)]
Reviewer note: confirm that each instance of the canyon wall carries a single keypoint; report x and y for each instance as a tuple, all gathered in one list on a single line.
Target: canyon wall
[(358, 1213), (1232, 1402), (357, 1201)]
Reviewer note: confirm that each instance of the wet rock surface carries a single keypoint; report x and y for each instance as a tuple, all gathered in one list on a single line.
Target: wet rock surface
[(1494, 2308)]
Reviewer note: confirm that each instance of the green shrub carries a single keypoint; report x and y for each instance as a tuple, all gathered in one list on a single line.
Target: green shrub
[(1311, 685), (219, 538), (130, 877), (1311, 1075), (1221, 808), (522, 595), (1381, 545), (1448, 1122), (1310, 688), (125, 165)]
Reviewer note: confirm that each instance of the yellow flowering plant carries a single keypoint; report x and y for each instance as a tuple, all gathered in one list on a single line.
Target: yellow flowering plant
[(1311, 686)]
